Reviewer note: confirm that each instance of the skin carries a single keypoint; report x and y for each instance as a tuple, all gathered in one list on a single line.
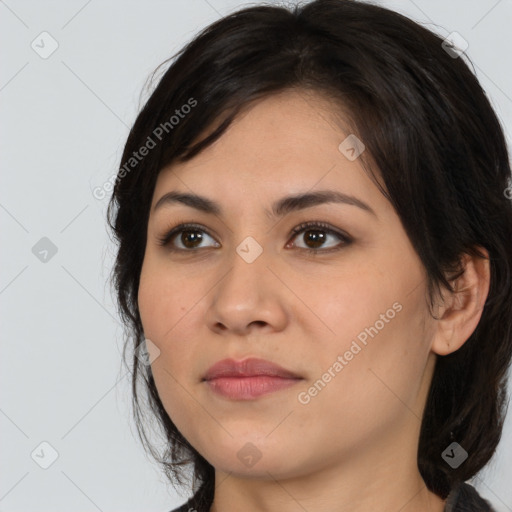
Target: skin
[(353, 446)]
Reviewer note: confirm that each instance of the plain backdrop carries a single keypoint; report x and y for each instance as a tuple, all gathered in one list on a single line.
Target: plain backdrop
[(64, 399)]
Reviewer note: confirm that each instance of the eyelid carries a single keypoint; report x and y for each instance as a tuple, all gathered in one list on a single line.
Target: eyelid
[(317, 224), (345, 238), (304, 226), (170, 233)]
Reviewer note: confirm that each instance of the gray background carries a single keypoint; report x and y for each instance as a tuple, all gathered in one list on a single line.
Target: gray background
[(64, 121)]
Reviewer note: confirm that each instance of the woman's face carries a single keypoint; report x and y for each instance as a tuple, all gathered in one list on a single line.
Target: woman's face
[(348, 319)]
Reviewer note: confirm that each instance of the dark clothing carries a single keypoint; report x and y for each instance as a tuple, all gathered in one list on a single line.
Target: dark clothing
[(464, 498)]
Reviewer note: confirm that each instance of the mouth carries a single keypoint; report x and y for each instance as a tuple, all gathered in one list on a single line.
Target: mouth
[(248, 379)]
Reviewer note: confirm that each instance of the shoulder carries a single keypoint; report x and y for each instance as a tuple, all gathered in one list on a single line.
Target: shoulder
[(201, 501), (197, 503), (465, 498), (186, 507)]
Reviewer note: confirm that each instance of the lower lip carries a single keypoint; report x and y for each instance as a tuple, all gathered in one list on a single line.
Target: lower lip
[(247, 388)]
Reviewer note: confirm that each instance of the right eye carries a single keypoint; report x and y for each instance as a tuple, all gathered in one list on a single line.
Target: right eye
[(185, 237)]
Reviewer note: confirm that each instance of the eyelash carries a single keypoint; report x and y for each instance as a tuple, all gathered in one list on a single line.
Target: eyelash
[(305, 226)]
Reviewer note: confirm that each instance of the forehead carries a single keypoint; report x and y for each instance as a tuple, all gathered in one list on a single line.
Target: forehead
[(289, 140)]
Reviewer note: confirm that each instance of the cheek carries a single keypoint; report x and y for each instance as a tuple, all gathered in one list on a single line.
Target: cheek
[(376, 324), (168, 307), (162, 299), (347, 305), (164, 318), (376, 384)]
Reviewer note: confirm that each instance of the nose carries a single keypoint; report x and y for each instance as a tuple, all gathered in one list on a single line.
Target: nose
[(247, 299)]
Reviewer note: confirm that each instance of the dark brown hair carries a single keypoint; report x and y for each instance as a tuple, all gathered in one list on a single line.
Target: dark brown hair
[(434, 140)]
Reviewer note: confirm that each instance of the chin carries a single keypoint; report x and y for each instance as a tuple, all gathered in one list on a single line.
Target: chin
[(267, 468), (252, 458)]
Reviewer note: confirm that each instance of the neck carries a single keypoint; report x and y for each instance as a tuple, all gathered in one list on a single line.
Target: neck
[(381, 475), (326, 491)]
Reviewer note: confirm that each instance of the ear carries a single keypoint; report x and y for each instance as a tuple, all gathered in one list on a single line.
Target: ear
[(459, 312)]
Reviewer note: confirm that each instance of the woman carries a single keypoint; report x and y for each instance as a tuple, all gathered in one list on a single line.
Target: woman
[(314, 264)]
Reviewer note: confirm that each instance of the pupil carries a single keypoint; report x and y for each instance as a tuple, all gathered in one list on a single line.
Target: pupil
[(191, 238), (316, 237), (188, 238)]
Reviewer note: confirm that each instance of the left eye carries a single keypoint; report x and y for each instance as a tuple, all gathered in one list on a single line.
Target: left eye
[(316, 236)]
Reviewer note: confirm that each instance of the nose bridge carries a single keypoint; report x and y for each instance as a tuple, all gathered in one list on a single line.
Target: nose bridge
[(246, 294), (246, 277)]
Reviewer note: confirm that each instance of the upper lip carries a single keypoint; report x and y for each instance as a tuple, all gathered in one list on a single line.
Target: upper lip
[(250, 367)]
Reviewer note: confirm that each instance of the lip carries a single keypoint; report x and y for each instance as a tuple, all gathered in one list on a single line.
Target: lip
[(250, 367), (248, 379)]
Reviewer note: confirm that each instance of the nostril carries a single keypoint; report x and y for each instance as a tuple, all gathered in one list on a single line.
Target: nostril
[(259, 323)]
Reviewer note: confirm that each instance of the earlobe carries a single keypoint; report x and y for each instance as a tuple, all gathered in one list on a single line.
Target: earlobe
[(459, 314)]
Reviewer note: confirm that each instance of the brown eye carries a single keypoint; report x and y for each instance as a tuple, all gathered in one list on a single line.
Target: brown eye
[(191, 238), (317, 237), (187, 237), (314, 238)]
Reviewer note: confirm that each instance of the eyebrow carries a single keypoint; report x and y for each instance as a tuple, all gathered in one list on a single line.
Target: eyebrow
[(280, 208)]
